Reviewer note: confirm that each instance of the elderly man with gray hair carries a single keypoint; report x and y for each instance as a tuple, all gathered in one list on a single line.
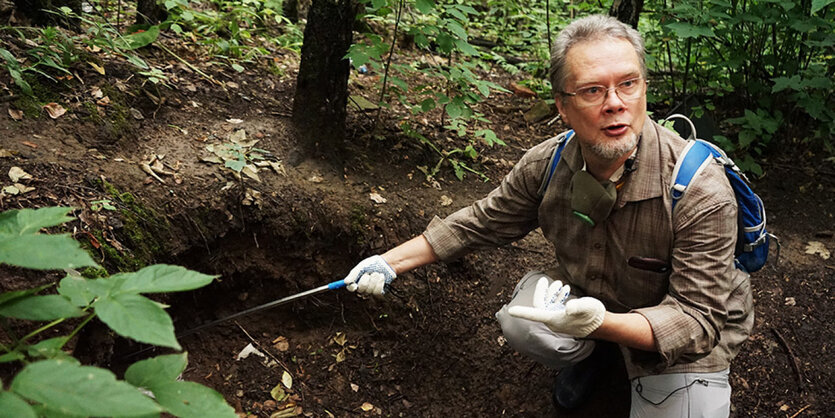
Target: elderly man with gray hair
[(631, 276)]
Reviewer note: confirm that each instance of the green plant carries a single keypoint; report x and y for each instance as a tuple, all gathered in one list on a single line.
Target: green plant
[(771, 59), (52, 382)]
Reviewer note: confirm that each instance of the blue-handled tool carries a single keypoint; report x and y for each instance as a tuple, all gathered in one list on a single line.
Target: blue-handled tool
[(330, 286)]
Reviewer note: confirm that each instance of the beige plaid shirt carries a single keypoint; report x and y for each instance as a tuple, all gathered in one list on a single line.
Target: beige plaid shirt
[(700, 309)]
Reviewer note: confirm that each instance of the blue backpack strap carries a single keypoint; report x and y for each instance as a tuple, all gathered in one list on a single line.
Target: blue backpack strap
[(555, 159), (695, 157)]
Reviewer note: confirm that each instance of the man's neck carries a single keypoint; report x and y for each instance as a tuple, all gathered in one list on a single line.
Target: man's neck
[(601, 168)]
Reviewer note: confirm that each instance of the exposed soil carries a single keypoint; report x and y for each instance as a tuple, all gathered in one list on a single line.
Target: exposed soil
[(433, 348)]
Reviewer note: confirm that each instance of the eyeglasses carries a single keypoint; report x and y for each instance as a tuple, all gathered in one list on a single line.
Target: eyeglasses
[(595, 95)]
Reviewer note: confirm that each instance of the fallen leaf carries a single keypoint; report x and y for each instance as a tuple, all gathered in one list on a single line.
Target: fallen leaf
[(287, 380), (340, 356), (446, 200), (104, 101), (366, 407), (4, 153), (355, 388), (376, 198), (23, 188), (249, 349), (212, 159), (521, 90), (29, 144), (55, 110), (229, 185), (235, 121), (790, 301), (281, 344), (11, 190), (96, 92), (16, 114), (136, 114), (784, 408), (17, 173), (340, 338), (251, 171), (315, 179), (278, 167), (817, 247), (501, 340), (99, 69), (232, 85), (286, 412), (239, 137), (278, 393)]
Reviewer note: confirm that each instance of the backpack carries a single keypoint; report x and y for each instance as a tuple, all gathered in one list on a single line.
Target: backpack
[(752, 238)]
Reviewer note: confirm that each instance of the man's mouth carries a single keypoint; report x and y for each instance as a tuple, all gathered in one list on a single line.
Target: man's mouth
[(616, 129)]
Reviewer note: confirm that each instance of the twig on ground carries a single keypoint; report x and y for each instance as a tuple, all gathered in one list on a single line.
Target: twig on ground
[(257, 344), (801, 410), (794, 362)]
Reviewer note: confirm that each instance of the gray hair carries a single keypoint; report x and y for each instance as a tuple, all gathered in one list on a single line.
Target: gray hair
[(590, 28)]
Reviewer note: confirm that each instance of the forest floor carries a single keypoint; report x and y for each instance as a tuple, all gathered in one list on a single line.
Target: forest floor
[(431, 349)]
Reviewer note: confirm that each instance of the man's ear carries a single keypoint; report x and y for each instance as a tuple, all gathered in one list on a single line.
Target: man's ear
[(561, 109)]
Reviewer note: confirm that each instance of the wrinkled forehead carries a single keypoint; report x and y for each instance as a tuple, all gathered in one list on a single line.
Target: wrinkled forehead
[(601, 59)]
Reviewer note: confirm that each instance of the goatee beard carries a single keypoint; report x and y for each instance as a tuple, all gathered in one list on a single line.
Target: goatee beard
[(612, 150)]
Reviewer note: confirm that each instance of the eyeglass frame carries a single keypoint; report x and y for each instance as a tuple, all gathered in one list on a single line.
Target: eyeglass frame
[(609, 89)]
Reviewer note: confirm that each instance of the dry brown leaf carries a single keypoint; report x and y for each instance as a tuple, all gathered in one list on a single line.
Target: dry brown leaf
[(376, 198), (340, 356), (23, 188), (366, 407), (287, 380), (104, 101), (446, 200), (355, 387), (281, 344), (17, 173), (136, 114), (278, 167), (16, 114), (251, 171), (99, 69), (4, 153), (55, 110), (817, 247), (96, 92), (11, 190)]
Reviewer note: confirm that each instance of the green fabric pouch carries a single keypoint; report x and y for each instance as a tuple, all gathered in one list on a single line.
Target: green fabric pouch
[(591, 200)]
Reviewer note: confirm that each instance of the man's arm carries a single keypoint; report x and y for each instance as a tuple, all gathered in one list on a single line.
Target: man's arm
[(628, 329), (411, 254)]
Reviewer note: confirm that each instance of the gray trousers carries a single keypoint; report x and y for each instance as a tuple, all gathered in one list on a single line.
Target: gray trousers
[(666, 395)]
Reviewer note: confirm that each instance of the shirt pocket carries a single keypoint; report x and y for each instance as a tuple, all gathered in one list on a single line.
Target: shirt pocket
[(643, 284)]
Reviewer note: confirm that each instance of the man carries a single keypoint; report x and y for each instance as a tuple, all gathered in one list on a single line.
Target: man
[(662, 286)]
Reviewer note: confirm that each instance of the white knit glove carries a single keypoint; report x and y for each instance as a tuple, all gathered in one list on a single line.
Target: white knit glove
[(577, 317), (370, 276)]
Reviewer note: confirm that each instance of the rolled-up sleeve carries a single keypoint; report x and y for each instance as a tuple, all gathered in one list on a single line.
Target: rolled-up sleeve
[(690, 318), (507, 214)]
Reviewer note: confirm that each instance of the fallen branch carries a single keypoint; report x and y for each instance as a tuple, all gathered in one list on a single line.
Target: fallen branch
[(795, 364)]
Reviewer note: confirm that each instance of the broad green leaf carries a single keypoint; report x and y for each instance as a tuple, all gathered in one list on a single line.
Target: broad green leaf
[(238, 67), (457, 29), (190, 399), (30, 221), (455, 108), (66, 386), (40, 308), (78, 290), (139, 39), (157, 370), (12, 406), (43, 252), (820, 4), (427, 105), (236, 165), (425, 6), (465, 47), (137, 317), (5, 297), (12, 356), (162, 278), (49, 348), (782, 83), (687, 30)]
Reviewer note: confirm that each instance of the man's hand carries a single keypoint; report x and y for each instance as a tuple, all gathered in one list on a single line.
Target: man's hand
[(577, 317), (370, 276)]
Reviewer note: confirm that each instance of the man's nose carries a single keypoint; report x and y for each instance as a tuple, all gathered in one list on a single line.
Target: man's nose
[(612, 102)]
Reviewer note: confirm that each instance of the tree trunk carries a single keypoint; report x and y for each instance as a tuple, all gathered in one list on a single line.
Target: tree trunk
[(322, 85), (36, 11), (627, 11), (149, 12)]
